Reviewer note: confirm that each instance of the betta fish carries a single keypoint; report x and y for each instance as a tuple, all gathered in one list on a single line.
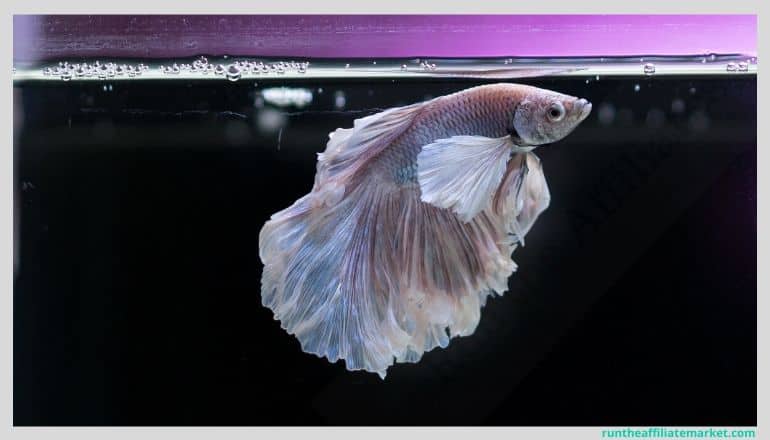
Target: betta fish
[(411, 223)]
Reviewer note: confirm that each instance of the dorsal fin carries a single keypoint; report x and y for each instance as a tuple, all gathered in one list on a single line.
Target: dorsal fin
[(349, 149)]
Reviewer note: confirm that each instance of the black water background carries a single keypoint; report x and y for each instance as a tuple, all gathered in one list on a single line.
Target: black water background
[(137, 276)]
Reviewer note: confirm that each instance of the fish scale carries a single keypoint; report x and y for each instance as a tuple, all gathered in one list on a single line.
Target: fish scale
[(472, 112)]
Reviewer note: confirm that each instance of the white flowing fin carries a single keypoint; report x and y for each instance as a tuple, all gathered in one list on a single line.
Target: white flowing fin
[(318, 281), (523, 194), (381, 276), (462, 173), (350, 149)]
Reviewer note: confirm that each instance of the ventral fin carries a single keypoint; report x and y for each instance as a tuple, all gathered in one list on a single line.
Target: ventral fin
[(462, 173), (523, 194)]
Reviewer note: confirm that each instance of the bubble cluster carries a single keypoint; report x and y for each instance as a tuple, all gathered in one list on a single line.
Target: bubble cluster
[(427, 66), (742, 66), (66, 70), (233, 70)]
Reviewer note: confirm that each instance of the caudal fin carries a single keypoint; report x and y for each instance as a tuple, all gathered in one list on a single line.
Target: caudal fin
[(381, 276)]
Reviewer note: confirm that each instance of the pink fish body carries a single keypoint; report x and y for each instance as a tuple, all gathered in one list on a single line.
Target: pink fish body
[(411, 223)]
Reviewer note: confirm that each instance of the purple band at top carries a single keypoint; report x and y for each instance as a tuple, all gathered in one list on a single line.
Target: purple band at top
[(380, 36)]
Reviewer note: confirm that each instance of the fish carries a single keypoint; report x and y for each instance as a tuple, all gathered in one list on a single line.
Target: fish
[(411, 223)]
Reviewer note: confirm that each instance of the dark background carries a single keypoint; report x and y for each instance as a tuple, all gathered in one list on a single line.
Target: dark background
[(136, 295)]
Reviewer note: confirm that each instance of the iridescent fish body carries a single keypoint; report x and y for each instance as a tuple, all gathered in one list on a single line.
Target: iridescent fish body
[(411, 223)]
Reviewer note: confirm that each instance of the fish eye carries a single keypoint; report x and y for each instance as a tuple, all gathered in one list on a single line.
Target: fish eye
[(556, 112)]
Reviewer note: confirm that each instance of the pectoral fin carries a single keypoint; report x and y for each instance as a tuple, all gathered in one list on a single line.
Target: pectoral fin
[(462, 173)]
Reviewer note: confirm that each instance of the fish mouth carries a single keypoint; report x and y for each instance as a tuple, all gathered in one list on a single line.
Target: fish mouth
[(584, 107)]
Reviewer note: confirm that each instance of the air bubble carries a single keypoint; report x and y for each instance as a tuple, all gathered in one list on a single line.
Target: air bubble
[(743, 66), (732, 67), (220, 69), (403, 67), (233, 72), (102, 71), (649, 69)]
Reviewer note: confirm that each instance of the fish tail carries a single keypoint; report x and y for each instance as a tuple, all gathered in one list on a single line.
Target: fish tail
[(318, 280), (379, 277)]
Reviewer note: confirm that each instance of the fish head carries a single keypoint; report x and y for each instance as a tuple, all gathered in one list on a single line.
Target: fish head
[(543, 116)]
